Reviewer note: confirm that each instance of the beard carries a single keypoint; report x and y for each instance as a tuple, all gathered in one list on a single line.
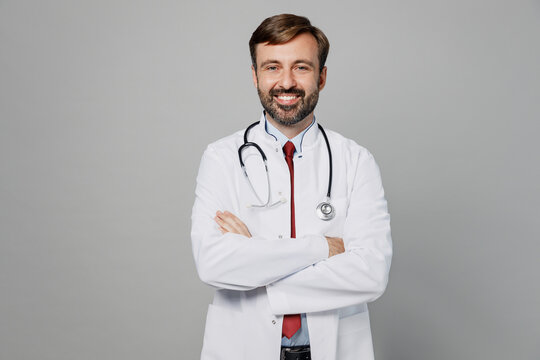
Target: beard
[(288, 115)]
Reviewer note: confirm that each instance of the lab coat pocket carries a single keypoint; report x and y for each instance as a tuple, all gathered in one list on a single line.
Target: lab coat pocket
[(222, 334), (354, 338)]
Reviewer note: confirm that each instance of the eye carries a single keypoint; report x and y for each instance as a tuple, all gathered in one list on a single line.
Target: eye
[(271, 68), (302, 68)]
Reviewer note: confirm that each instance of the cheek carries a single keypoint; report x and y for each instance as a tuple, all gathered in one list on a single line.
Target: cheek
[(264, 84), (308, 81), (310, 86)]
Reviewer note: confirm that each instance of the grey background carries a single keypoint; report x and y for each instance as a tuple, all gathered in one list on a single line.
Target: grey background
[(106, 107)]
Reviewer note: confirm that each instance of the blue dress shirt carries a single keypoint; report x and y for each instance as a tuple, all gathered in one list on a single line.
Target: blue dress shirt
[(297, 140), (301, 337)]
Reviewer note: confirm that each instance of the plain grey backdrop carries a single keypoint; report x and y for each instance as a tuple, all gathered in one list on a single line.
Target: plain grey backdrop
[(106, 107)]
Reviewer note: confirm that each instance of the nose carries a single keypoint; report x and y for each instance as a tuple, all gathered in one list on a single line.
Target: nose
[(287, 80)]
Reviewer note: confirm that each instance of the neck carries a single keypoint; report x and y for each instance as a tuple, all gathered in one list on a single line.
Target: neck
[(291, 131)]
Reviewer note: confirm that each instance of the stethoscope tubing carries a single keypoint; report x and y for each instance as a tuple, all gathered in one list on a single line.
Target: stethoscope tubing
[(320, 209), (329, 162)]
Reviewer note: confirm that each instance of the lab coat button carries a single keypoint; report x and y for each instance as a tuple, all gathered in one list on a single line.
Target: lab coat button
[(274, 322), (280, 236)]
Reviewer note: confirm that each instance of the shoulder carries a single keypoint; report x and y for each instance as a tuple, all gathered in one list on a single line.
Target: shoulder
[(346, 147), (226, 148), (360, 164), (227, 143), (220, 156)]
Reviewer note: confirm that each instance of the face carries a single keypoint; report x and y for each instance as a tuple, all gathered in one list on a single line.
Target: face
[(288, 79)]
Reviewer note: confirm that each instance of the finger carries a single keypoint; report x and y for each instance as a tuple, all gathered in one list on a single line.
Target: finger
[(233, 221), (224, 218), (237, 223), (246, 230), (224, 215), (228, 226), (227, 217), (224, 224), (231, 216)]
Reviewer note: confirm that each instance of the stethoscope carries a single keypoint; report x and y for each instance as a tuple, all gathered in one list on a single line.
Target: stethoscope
[(325, 210)]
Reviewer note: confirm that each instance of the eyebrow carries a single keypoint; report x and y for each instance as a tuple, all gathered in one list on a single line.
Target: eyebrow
[(299, 61)]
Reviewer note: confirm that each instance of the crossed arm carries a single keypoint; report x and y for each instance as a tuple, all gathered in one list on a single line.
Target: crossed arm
[(228, 222), (321, 275)]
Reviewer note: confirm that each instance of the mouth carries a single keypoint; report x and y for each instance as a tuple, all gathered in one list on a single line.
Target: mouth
[(287, 99)]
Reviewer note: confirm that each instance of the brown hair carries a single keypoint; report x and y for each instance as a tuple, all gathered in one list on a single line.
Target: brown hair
[(279, 29)]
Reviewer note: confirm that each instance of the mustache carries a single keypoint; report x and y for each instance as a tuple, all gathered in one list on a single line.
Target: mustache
[(292, 91)]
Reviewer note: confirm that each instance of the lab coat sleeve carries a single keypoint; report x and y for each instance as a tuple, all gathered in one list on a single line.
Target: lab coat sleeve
[(233, 261), (358, 275)]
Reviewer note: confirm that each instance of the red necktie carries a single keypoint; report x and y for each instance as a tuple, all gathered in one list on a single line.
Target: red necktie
[(291, 323)]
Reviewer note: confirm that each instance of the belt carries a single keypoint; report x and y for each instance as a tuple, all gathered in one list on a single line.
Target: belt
[(295, 353)]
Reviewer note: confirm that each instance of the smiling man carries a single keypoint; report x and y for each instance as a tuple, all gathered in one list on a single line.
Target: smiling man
[(288, 80), (290, 224)]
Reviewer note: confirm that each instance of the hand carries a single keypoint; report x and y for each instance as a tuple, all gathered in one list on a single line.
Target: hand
[(228, 222), (335, 246)]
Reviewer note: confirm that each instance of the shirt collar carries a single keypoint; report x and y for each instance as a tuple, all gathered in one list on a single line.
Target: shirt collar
[(282, 139)]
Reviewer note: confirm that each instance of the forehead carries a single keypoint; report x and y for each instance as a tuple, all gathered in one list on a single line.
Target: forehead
[(303, 46)]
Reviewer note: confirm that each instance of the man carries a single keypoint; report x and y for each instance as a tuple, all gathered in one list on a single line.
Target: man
[(292, 277)]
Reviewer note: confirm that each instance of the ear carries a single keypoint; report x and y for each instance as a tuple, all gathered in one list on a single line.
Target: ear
[(254, 75), (322, 78)]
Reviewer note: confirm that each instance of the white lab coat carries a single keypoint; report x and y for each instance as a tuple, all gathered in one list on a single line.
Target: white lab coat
[(259, 279)]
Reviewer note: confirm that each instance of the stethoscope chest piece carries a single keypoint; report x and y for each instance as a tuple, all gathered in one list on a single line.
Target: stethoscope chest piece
[(325, 211)]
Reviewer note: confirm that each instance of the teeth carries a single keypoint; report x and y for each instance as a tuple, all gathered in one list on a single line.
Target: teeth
[(286, 97)]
